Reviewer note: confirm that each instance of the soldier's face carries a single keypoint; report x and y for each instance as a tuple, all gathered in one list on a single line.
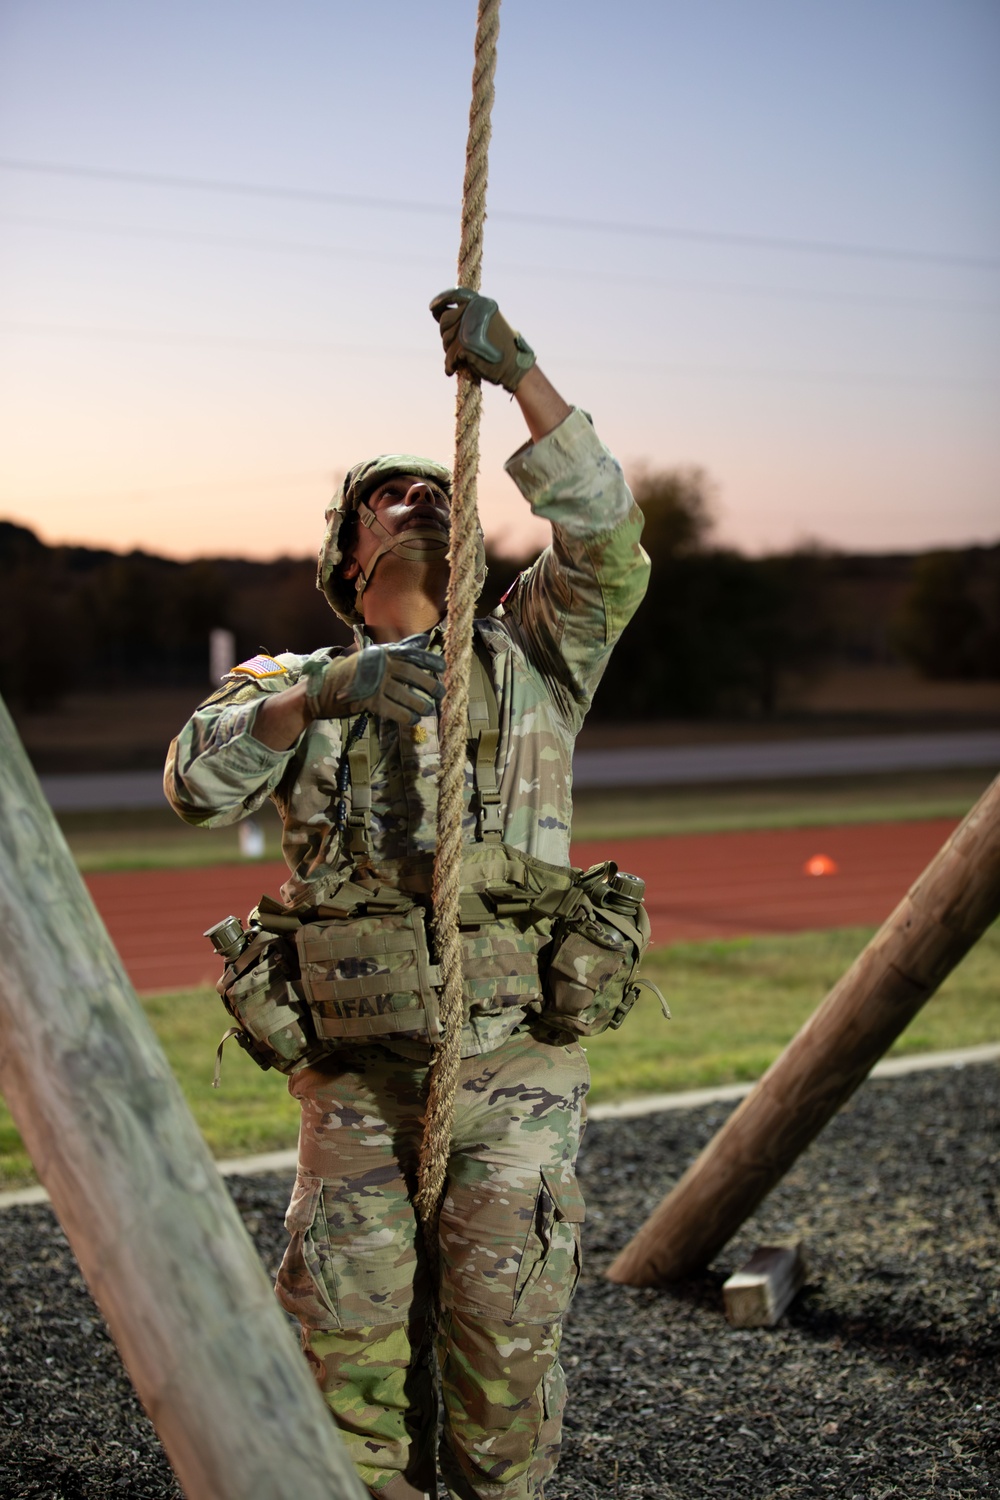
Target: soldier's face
[(405, 501), (400, 504)]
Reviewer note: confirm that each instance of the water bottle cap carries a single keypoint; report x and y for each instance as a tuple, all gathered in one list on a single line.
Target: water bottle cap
[(629, 886), (225, 935)]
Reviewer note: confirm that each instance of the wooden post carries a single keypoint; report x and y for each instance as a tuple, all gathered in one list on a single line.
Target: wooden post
[(936, 923), (156, 1234)]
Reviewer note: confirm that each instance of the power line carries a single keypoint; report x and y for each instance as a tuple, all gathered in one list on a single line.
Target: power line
[(325, 480), (569, 361), (561, 273), (205, 340), (550, 221)]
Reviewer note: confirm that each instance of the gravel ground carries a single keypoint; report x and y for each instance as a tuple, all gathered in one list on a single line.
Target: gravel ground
[(880, 1381)]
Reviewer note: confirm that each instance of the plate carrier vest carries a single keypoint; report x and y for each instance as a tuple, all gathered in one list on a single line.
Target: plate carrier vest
[(359, 966)]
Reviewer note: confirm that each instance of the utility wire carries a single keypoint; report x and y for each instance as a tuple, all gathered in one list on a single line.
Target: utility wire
[(560, 273), (513, 216), (568, 360), (322, 479)]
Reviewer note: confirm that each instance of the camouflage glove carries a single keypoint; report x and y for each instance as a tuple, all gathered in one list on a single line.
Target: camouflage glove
[(401, 682), (478, 337)]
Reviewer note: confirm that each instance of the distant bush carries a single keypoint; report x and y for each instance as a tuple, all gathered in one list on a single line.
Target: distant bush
[(75, 615), (948, 625), (717, 632)]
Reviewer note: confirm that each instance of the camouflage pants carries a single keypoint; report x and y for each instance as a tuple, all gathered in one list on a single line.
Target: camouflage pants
[(355, 1272)]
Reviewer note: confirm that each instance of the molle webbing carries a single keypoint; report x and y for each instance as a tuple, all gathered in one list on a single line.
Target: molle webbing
[(366, 968), (484, 742), (358, 832)]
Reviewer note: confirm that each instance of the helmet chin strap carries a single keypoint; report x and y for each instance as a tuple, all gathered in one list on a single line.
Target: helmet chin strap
[(398, 544)]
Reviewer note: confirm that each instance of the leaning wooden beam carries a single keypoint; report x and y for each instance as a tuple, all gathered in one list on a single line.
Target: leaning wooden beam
[(937, 922), (150, 1222)]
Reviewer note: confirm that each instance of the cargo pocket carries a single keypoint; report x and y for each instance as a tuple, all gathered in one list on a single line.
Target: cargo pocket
[(301, 1284), (550, 1262), (351, 1259)]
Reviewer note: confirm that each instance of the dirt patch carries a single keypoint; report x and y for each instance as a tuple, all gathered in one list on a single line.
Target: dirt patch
[(881, 1381)]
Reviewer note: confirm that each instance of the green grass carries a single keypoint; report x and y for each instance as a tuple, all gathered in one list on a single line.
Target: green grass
[(156, 839), (250, 1112), (735, 1006), (812, 803)]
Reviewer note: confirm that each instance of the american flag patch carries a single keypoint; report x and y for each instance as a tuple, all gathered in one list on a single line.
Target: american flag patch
[(257, 666)]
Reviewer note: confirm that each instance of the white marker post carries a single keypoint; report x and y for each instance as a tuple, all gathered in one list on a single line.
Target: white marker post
[(221, 655)]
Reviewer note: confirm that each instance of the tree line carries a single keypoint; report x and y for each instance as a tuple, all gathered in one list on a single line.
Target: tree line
[(719, 633)]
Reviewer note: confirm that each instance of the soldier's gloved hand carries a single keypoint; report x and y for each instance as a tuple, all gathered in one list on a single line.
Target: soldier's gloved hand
[(477, 336), (401, 681)]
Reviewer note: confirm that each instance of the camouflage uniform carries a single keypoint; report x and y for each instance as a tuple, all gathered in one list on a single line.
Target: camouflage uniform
[(353, 1271)]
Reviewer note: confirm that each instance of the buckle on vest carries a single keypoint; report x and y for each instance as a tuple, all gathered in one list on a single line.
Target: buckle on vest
[(489, 821), (357, 832)]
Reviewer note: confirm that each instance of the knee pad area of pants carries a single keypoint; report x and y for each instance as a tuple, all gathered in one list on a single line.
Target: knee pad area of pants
[(503, 1393)]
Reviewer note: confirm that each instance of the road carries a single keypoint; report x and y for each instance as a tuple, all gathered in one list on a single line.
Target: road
[(643, 765), (698, 886), (662, 765)]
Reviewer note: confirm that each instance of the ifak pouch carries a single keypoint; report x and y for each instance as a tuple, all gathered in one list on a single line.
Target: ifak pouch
[(297, 988)]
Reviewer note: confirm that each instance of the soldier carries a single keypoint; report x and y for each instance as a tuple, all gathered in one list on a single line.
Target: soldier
[(346, 745)]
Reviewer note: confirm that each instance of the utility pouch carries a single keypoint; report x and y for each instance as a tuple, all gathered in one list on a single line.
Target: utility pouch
[(370, 976), (259, 990), (592, 982)]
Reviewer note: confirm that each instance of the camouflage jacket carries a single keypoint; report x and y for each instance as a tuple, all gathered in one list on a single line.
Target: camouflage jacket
[(548, 642)]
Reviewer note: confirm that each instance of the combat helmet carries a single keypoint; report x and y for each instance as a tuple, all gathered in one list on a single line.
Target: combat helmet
[(341, 593)]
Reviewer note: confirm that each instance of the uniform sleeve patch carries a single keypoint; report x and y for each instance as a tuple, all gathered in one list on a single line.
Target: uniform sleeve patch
[(257, 666)]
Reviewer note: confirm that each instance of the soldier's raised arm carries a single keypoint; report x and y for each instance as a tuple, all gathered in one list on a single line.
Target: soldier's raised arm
[(567, 610)]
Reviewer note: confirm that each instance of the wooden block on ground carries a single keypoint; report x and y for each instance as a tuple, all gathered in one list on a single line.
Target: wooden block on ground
[(756, 1295)]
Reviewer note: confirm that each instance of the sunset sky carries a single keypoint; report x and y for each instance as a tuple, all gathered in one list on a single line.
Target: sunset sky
[(757, 236)]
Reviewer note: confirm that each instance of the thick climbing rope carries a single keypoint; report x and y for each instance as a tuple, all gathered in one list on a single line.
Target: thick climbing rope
[(440, 1114)]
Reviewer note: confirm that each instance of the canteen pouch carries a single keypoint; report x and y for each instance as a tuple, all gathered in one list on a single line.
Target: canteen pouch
[(258, 990), (591, 982), (370, 976)]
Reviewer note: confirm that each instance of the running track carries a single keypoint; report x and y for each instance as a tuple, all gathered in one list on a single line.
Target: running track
[(698, 886)]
